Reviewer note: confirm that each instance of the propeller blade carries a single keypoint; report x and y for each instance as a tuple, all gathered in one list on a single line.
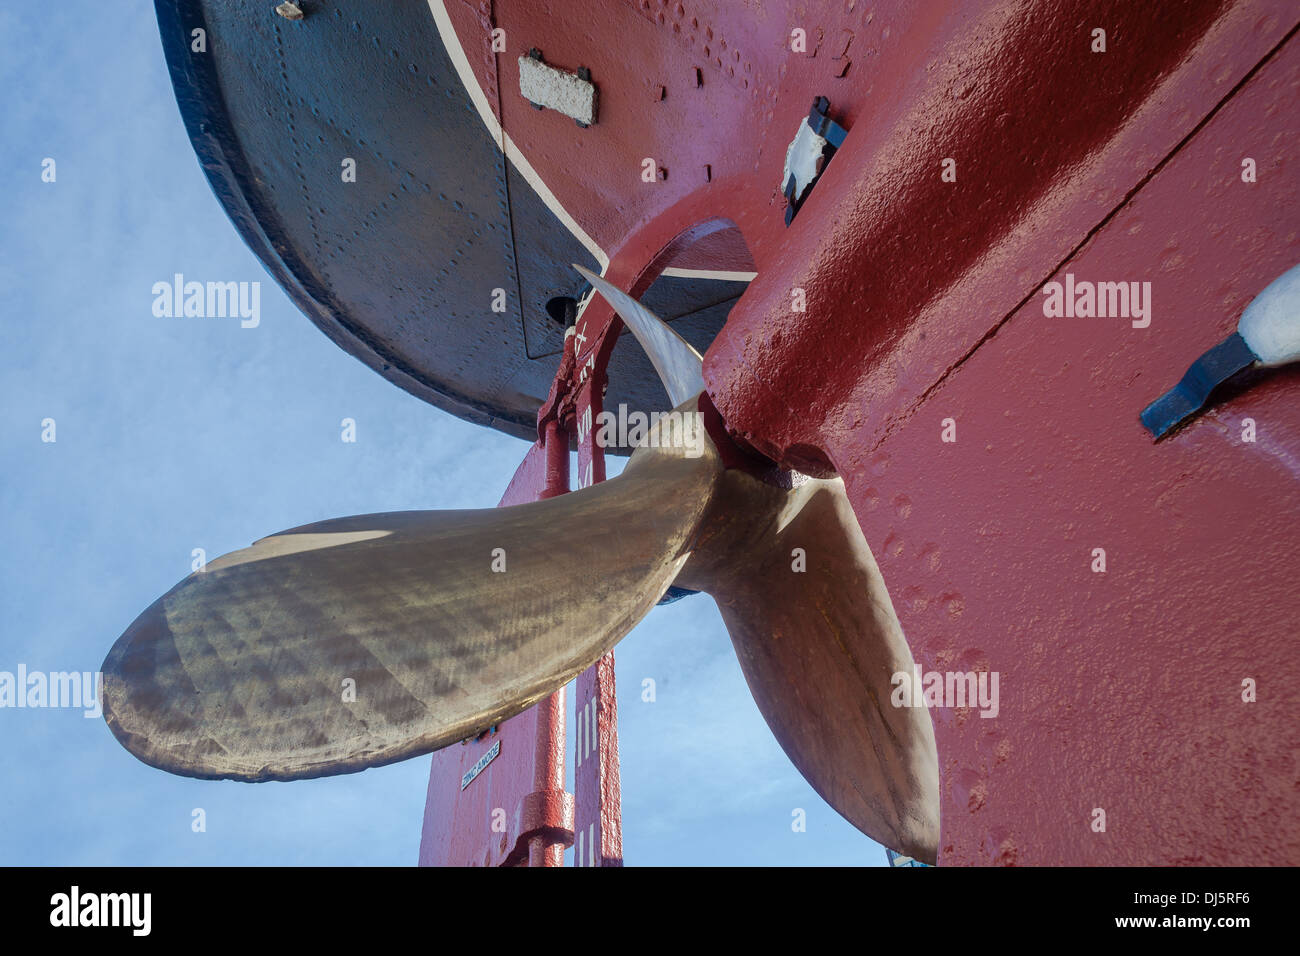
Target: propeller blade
[(819, 649), (680, 367), (239, 671)]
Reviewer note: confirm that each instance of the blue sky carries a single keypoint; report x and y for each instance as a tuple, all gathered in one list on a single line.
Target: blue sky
[(175, 434)]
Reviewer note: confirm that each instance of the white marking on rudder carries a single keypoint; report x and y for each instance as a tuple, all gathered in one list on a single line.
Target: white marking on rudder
[(554, 89), (1271, 323)]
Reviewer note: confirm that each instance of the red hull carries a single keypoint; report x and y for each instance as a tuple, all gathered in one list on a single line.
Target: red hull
[(1121, 690)]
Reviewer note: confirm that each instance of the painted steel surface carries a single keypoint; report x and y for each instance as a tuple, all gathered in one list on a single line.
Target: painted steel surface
[(434, 261), (1123, 690), (597, 785)]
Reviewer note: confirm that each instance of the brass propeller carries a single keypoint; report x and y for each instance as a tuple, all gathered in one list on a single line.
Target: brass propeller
[(238, 671), (819, 643), (443, 623), (819, 647)]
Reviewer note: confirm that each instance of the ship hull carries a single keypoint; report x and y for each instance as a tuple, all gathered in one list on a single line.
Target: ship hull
[(1135, 599)]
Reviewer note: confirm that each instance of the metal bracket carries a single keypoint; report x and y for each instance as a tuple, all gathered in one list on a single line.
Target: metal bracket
[(1189, 396), (808, 155), (546, 87)]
